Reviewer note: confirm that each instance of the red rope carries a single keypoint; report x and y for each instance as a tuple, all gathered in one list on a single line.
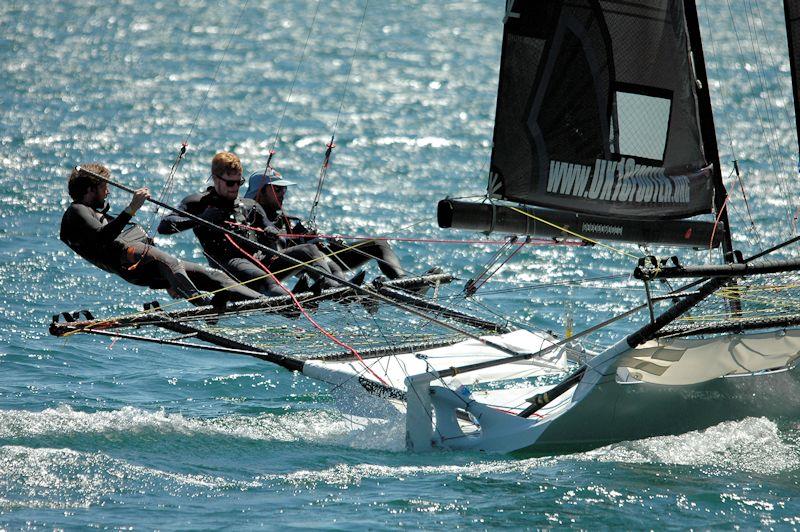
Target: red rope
[(716, 222), (540, 241), (303, 310), (532, 242)]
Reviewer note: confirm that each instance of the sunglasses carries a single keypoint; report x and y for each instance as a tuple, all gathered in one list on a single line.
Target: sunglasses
[(231, 183)]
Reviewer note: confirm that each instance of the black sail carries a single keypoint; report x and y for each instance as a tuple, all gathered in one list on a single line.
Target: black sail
[(792, 9), (597, 111)]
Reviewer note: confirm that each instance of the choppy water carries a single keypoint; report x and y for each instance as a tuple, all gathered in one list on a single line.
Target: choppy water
[(122, 435)]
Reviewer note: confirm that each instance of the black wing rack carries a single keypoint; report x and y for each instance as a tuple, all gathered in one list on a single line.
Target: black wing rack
[(409, 291)]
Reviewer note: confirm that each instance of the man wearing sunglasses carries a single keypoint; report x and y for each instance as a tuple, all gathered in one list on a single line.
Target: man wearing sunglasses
[(220, 204), (119, 246)]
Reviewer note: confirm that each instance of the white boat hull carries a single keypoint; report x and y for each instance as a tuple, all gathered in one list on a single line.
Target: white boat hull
[(662, 388), (613, 412)]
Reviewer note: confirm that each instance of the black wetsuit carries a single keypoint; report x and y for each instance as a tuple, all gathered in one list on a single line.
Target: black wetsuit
[(348, 256), (118, 246), (246, 217)]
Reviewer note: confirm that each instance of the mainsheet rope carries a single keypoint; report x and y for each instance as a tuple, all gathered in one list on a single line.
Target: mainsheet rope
[(573, 233)]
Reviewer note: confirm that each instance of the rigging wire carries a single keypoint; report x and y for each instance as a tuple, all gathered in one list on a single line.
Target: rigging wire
[(168, 186), (727, 102), (291, 87), (760, 118), (775, 65), (476, 282), (771, 109), (323, 172), (169, 183), (201, 106)]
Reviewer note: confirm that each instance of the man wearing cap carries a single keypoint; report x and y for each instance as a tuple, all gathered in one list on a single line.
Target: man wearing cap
[(268, 188), (118, 246), (220, 204)]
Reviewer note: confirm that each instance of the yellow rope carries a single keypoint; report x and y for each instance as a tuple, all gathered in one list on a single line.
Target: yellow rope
[(243, 283), (769, 288), (731, 319), (573, 233), (770, 305)]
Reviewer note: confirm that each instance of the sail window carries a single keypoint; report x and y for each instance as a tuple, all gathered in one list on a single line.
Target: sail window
[(643, 124)]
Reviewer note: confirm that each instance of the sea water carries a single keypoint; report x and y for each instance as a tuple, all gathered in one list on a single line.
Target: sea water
[(95, 433)]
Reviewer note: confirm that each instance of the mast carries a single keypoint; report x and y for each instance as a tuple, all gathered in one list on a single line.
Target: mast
[(707, 129)]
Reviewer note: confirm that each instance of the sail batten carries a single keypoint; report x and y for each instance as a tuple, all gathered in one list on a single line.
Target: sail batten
[(597, 111)]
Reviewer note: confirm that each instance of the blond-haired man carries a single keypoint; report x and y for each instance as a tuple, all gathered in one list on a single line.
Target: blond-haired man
[(221, 205)]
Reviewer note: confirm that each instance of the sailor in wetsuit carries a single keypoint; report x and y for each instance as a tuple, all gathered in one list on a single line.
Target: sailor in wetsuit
[(220, 204), (268, 189), (118, 246)]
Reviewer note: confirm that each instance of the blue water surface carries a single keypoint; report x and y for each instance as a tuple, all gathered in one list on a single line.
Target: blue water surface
[(102, 434)]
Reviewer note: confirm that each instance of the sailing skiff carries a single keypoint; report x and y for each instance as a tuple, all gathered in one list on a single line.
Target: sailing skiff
[(604, 132)]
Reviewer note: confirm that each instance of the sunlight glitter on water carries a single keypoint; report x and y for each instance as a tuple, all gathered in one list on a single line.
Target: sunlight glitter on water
[(228, 443), (63, 478)]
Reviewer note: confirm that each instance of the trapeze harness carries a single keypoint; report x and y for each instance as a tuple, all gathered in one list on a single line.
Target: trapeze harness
[(102, 240), (118, 246), (245, 214)]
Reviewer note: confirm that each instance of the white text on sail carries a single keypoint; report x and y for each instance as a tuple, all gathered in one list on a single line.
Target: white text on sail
[(622, 180)]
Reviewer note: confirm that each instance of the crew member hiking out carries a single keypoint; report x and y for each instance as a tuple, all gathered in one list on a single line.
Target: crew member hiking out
[(121, 247), (268, 188), (220, 204)]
